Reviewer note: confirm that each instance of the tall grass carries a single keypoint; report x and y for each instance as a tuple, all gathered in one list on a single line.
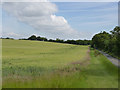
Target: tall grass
[(69, 66)]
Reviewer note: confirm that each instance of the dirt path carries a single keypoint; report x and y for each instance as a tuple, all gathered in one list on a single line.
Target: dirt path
[(115, 61)]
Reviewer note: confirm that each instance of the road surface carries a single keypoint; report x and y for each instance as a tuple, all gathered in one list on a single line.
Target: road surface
[(115, 61)]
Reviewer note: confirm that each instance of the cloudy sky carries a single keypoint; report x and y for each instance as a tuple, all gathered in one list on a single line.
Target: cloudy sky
[(65, 20)]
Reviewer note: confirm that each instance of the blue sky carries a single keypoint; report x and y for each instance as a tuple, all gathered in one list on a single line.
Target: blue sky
[(82, 19), (90, 17)]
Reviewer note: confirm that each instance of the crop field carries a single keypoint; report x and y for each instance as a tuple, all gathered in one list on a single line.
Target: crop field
[(36, 64)]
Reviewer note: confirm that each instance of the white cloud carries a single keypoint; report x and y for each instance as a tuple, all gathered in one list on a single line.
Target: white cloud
[(42, 17), (10, 34)]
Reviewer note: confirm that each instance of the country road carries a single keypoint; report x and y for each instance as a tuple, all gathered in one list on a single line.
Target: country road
[(115, 61)]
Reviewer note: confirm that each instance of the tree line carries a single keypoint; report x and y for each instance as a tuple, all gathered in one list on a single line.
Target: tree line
[(108, 42), (76, 42)]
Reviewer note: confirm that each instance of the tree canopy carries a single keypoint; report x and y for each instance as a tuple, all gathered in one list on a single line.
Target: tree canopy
[(77, 42), (109, 42)]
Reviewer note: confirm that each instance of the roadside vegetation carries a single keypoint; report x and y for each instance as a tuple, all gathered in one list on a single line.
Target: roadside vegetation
[(108, 42)]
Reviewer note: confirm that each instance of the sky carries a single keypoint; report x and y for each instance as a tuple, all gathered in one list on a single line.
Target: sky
[(64, 20)]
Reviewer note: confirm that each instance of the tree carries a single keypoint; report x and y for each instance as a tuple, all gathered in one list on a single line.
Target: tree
[(39, 38), (108, 42), (116, 38), (51, 40), (59, 40), (100, 40), (33, 37)]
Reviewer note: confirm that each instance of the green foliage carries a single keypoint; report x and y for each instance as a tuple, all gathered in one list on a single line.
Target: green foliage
[(41, 38), (33, 37), (59, 40), (108, 42), (77, 42)]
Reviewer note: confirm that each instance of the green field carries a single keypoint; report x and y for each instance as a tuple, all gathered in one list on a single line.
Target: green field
[(36, 64)]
